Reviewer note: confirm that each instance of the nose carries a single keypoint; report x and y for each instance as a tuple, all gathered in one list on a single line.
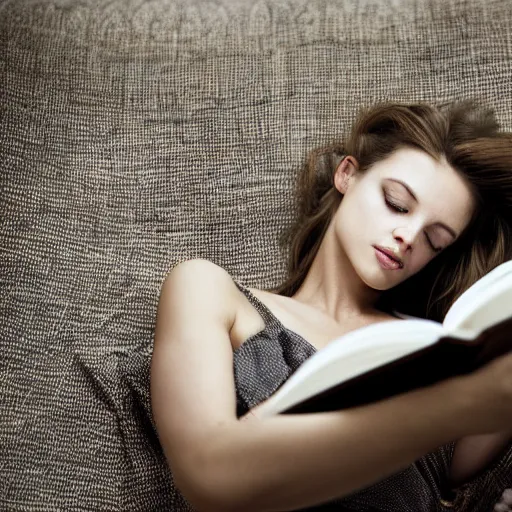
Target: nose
[(405, 238)]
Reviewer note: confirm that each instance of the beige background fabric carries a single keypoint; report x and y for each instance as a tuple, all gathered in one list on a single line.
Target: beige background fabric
[(135, 135)]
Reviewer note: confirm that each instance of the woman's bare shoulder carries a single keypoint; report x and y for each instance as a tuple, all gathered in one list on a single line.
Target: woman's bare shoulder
[(201, 270), (197, 266)]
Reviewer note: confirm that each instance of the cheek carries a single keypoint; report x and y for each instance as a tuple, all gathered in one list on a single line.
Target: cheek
[(363, 219), (357, 230)]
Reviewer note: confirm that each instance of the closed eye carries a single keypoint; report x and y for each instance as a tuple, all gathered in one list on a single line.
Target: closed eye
[(398, 209)]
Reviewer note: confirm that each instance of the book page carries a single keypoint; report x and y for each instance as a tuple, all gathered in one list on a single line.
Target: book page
[(491, 307), (468, 312), (353, 354), (460, 309)]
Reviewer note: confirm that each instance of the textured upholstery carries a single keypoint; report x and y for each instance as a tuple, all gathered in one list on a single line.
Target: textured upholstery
[(135, 135)]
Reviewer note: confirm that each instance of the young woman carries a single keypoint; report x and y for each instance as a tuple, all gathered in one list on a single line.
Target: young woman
[(404, 215)]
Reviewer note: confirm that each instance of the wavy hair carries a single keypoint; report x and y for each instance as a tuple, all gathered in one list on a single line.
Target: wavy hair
[(466, 134)]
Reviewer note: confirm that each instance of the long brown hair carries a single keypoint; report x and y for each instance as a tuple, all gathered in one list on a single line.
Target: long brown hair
[(466, 133)]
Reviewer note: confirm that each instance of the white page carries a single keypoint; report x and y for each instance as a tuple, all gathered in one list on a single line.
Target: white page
[(465, 305), (380, 333), (356, 353), (490, 307)]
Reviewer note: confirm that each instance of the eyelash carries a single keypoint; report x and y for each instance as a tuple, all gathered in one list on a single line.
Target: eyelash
[(403, 210)]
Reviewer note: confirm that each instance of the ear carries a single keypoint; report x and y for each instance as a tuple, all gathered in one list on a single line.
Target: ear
[(346, 170)]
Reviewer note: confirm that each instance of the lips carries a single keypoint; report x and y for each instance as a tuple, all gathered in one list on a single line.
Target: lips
[(390, 254)]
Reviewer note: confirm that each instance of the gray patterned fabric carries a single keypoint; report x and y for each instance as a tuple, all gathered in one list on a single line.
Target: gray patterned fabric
[(266, 360), (137, 134)]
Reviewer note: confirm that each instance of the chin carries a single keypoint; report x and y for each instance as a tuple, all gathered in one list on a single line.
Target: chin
[(381, 280), (377, 282)]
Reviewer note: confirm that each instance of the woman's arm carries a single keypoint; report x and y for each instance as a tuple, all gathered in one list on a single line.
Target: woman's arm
[(474, 453), (288, 461)]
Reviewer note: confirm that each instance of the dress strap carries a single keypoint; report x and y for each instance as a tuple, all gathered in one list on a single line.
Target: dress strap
[(268, 317), (273, 326)]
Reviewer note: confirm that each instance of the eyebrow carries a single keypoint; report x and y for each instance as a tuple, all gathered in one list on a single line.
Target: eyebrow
[(413, 195)]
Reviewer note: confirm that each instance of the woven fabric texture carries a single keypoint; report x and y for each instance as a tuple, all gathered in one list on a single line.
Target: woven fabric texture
[(138, 134)]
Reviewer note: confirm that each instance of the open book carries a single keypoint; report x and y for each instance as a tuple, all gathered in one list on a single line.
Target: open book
[(392, 357)]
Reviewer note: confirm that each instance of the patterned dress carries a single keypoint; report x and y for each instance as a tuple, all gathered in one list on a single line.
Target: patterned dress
[(267, 359)]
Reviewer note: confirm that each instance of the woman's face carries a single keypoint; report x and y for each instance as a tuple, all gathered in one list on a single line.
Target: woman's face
[(377, 210)]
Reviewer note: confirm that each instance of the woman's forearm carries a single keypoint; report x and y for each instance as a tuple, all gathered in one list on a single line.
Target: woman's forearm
[(289, 462)]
